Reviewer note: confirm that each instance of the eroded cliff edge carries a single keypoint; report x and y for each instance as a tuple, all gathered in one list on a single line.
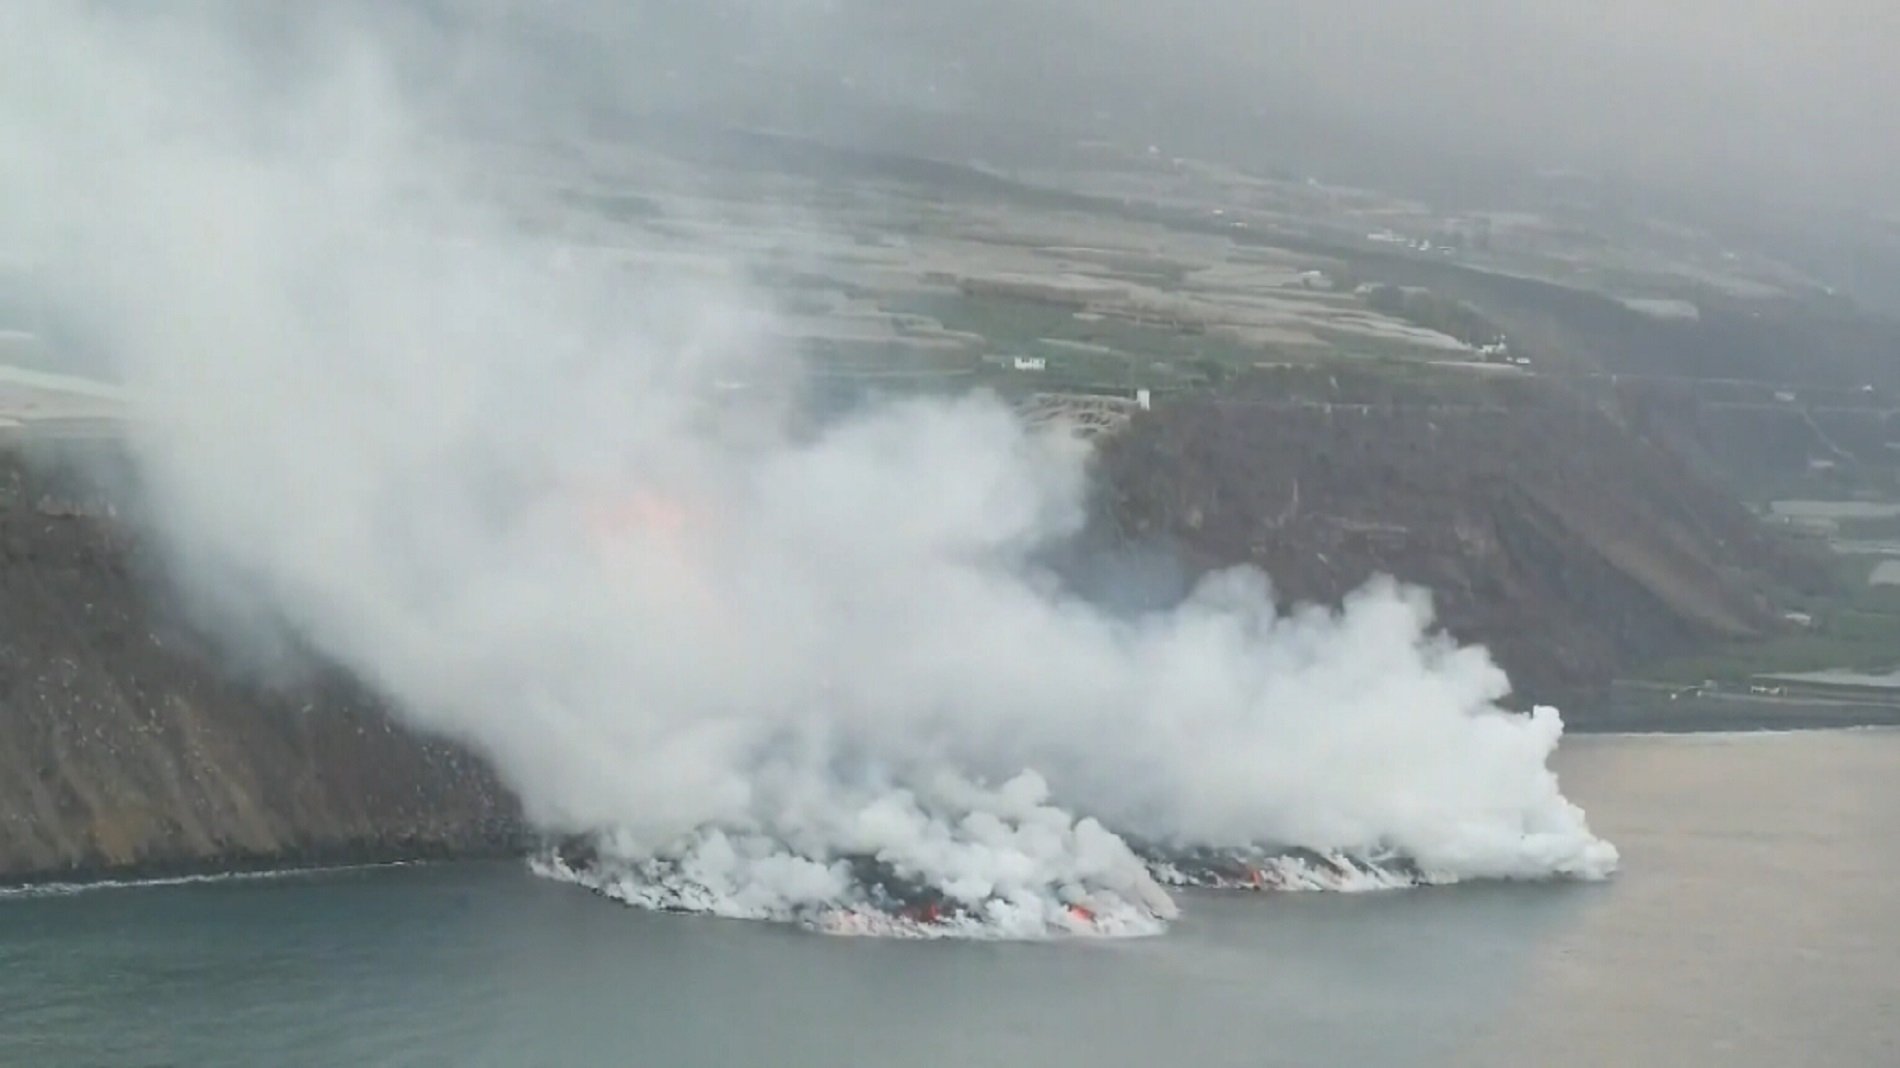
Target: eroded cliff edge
[(1544, 528), (126, 748)]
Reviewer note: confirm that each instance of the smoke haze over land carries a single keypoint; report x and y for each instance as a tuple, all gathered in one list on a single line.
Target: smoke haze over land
[(1755, 100), (377, 418)]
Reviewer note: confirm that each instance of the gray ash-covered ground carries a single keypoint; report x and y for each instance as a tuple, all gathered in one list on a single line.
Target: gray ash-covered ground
[(880, 897), (1255, 868), (879, 887)]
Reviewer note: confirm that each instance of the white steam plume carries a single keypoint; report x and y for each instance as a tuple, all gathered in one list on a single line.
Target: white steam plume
[(774, 673)]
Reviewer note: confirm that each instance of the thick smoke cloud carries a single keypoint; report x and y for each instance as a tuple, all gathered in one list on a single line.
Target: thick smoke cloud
[(491, 480)]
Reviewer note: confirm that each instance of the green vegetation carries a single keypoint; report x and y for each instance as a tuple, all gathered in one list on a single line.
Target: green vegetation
[(1423, 308), (1856, 628), (878, 358), (1877, 649), (792, 283), (1123, 353), (1354, 343), (1881, 528)]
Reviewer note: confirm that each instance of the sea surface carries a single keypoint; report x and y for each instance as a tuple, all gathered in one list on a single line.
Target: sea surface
[(1756, 922)]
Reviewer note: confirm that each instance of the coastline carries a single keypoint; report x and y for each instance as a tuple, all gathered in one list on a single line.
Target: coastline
[(1781, 719), (1735, 715), (329, 859)]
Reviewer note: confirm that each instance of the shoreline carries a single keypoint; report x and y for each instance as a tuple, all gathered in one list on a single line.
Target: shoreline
[(68, 888), (1765, 717), (86, 878), (344, 859)]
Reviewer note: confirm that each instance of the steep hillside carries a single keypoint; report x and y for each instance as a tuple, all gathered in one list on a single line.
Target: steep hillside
[(1543, 527), (1766, 441), (122, 746)]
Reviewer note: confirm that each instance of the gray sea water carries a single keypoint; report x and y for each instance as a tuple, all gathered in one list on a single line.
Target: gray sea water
[(1757, 922)]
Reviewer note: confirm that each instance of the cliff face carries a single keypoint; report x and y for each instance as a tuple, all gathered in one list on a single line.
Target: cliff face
[(123, 747), (1543, 527)]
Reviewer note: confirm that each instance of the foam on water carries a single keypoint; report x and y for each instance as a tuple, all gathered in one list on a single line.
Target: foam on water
[(64, 889)]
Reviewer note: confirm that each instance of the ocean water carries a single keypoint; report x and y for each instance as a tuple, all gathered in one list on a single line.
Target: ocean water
[(1756, 922)]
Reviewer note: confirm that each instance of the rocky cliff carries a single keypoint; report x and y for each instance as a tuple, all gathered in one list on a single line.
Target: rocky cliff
[(1544, 528), (124, 746)]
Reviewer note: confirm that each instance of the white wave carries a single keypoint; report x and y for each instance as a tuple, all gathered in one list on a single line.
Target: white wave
[(66, 889)]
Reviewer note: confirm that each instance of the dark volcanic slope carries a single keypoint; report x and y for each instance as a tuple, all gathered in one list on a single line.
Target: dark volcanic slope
[(121, 747), (1543, 527)]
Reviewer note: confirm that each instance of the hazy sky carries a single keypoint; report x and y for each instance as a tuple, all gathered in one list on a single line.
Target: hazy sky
[(1686, 90), (1752, 95), (1777, 98)]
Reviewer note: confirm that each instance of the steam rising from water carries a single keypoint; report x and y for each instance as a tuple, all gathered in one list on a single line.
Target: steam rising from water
[(765, 671)]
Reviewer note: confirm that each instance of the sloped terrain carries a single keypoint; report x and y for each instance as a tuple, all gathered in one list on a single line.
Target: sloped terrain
[(124, 747), (1546, 530), (1542, 526)]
